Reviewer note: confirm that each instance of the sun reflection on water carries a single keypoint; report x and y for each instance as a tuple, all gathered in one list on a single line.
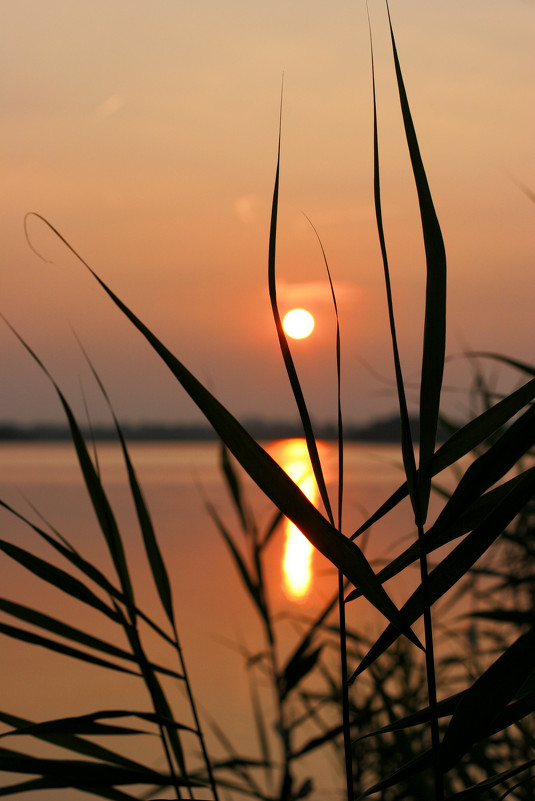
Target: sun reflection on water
[(292, 455)]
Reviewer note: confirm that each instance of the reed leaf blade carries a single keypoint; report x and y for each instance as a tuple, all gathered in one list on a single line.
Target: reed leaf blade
[(456, 564), (434, 344), (487, 698), (264, 471)]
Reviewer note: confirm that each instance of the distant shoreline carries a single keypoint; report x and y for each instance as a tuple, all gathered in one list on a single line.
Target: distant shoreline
[(384, 430)]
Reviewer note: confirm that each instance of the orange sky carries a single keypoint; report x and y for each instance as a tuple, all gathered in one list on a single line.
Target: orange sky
[(147, 134)]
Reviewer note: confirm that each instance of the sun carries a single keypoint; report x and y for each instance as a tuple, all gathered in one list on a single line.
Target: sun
[(298, 323)]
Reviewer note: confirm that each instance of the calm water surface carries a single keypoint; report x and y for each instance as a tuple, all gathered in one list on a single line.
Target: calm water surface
[(217, 622)]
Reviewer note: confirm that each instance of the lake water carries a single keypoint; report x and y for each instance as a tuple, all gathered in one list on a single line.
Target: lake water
[(216, 619)]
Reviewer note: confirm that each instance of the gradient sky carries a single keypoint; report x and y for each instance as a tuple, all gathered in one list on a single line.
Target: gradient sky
[(147, 134)]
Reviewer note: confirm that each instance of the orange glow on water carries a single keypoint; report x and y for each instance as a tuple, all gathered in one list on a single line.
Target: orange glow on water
[(297, 559)]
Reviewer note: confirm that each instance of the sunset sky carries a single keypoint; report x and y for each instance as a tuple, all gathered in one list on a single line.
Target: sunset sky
[(147, 134)]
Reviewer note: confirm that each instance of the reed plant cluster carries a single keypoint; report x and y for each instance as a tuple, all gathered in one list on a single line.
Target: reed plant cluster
[(401, 719)]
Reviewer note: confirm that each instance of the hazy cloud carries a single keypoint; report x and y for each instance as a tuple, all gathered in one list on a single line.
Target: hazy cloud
[(316, 291), (246, 208), (110, 106)]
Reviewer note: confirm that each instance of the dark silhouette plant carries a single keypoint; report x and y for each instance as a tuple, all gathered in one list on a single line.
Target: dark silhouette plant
[(482, 717)]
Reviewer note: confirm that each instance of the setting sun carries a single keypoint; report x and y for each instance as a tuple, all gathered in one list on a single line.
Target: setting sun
[(298, 323)]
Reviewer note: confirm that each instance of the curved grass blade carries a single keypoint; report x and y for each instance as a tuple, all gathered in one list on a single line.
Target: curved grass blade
[(518, 617), (74, 725), (163, 587), (89, 724), (250, 584), (445, 708), (491, 466), (58, 578), (264, 471), (239, 765), (341, 589), (154, 556), (79, 774), (168, 733), (297, 667), (69, 742), (271, 528), (285, 348), (93, 484), (514, 712), (55, 626), (458, 562), (419, 484), (340, 425), (412, 768), (234, 486), (112, 536), (60, 648), (487, 698), (44, 784), (407, 450), (261, 732), (463, 442), (493, 781), (439, 535), (522, 367), (434, 345), (86, 567)]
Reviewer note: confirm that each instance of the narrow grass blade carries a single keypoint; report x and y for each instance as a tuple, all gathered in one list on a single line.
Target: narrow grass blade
[(163, 587), (262, 734), (297, 667), (491, 466), (482, 788), (55, 626), (522, 367), (234, 487), (89, 724), (518, 617), (69, 742), (487, 698), (85, 567), (412, 768), (516, 711), (52, 645), (75, 725), (407, 449), (271, 529), (435, 301), (341, 589), (340, 425), (58, 578), (154, 556), (240, 765), (319, 741), (156, 562), (439, 535), (457, 563), (169, 734), (512, 713), (474, 433), (445, 708), (93, 484), (285, 349), (419, 485), (46, 784), (79, 774), (466, 439), (250, 584)]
